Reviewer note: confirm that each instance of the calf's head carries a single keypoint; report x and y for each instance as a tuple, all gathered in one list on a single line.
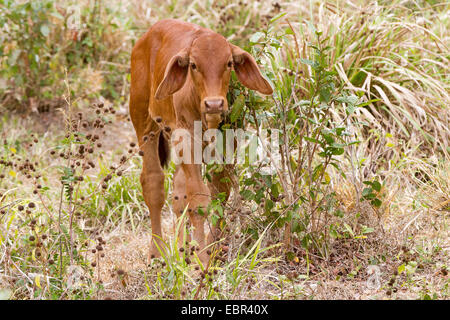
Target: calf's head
[(208, 63)]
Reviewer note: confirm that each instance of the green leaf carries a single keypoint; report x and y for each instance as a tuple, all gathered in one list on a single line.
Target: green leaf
[(278, 16), (376, 203), (349, 229), (337, 151), (256, 36), (366, 230), (311, 140), (247, 194), (366, 192), (57, 15), (325, 95), (313, 64), (237, 108), (288, 30), (339, 213), (376, 186), (214, 219), (45, 30)]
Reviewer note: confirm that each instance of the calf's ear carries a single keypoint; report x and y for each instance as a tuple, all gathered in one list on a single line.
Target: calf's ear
[(248, 72), (174, 76)]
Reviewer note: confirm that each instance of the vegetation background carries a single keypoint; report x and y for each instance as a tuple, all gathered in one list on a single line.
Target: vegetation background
[(361, 97)]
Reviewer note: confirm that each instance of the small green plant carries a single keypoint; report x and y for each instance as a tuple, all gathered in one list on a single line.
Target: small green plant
[(298, 197), (372, 193)]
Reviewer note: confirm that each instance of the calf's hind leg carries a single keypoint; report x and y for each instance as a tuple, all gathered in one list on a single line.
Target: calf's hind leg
[(152, 181)]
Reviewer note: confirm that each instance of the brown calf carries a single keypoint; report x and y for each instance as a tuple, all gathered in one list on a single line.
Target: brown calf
[(180, 73)]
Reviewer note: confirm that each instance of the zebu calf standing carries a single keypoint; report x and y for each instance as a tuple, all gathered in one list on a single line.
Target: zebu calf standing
[(180, 73)]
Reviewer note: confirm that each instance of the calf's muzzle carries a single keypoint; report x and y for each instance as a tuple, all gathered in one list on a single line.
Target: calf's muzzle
[(214, 110), (214, 105)]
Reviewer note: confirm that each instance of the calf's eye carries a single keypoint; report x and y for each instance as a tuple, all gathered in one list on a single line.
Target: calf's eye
[(230, 64), (193, 66)]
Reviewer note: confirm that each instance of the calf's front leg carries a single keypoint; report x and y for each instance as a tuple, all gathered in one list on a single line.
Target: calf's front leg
[(198, 196), (179, 203)]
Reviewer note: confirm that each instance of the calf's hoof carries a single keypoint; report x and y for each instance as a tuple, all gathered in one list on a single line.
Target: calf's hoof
[(153, 253)]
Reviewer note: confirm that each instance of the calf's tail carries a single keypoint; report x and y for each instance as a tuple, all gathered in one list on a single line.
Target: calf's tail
[(163, 150)]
